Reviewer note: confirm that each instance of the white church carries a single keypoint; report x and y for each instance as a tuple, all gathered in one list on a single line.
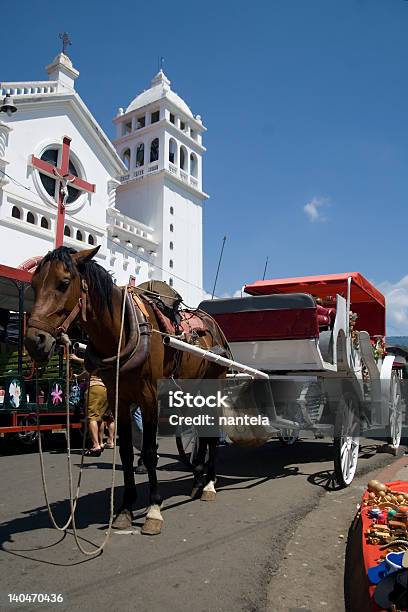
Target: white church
[(145, 195)]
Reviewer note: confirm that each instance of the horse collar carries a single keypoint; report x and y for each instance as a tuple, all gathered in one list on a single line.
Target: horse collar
[(136, 350)]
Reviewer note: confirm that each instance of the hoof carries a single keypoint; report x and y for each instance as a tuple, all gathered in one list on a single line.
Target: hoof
[(208, 496), (196, 492), (152, 526), (123, 520)]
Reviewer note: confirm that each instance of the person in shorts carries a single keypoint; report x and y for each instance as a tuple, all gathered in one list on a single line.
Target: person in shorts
[(96, 400)]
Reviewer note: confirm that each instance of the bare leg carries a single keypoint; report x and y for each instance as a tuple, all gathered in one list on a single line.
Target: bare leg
[(101, 432), (93, 427), (111, 433)]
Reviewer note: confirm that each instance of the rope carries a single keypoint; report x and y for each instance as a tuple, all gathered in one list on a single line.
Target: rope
[(41, 456), (99, 549), (73, 500)]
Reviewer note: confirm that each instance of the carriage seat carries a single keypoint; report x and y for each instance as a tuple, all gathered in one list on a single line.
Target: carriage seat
[(325, 316)]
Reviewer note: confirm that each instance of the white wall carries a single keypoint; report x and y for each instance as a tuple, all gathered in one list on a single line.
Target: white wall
[(31, 133), (187, 240)]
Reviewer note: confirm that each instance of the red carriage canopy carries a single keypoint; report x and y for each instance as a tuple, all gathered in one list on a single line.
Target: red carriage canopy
[(366, 301)]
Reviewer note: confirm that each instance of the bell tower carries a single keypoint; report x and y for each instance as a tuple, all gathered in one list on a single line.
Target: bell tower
[(160, 141)]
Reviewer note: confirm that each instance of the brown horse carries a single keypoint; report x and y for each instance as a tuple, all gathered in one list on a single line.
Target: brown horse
[(70, 287)]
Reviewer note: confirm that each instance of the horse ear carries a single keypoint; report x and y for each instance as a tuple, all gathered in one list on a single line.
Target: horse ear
[(83, 256)]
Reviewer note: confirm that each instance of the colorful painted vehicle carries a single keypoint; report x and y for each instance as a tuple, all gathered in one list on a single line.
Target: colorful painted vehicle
[(27, 391), (321, 341)]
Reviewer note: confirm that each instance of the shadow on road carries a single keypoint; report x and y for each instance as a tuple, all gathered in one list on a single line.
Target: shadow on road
[(238, 468)]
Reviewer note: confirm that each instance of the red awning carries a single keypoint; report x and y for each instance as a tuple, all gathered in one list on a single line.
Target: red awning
[(321, 286), (15, 274)]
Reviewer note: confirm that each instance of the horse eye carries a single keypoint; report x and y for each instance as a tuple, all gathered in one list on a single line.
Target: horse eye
[(64, 284)]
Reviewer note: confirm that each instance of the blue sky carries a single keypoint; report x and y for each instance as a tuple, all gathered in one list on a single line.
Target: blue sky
[(306, 106)]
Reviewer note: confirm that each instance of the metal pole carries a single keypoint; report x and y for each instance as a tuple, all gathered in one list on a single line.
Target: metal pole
[(213, 357), (21, 330), (218, 268), (266, 265)]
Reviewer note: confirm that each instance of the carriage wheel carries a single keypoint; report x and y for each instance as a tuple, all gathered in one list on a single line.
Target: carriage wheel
[(29, 438), (288, 437), (346, 439), (187, 444), (394, 428)]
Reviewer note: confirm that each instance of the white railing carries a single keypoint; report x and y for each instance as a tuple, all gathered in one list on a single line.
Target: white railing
[(153, 167), (128, 226), (137, 173), (22, 88), (183, 175)]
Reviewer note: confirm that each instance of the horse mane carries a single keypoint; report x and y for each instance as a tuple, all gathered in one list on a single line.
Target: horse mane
[(99, 280)]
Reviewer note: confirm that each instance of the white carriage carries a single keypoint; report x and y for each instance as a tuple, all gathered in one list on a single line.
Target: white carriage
[(320, 343)]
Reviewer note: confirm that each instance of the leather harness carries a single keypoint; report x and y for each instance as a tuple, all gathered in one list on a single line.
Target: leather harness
[(135, 352)]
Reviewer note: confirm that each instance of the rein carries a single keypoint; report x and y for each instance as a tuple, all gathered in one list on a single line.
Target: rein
[(73, 499)]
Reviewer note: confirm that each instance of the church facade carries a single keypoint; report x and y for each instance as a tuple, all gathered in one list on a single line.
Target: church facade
[(139, 197)]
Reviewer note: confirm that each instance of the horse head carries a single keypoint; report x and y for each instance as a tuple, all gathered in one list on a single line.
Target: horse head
[(59, 285)]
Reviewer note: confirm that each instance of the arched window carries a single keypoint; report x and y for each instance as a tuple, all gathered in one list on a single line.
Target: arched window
[(171, 210), (171, 263), (30, 218), (154, 150), (15, 212), (171, 246), (140, 155), (193, 165), (44, 223), (170, 282), (183, 158), (67, 231), (126, 158), (79, 235), (171, 227), (91, 239), (172, 151)]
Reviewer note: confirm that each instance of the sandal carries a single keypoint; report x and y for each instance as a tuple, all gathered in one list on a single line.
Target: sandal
[(108, 446), (93, 452)]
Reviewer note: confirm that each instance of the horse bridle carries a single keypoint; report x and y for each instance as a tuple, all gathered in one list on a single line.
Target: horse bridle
[(62, 328)]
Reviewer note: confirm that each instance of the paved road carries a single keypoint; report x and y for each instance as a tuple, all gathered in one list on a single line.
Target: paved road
[(210, 556)]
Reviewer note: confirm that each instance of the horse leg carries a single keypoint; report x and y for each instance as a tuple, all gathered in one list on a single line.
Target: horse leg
[(209, 491), (123, 519), (198, 469), (154, 520)]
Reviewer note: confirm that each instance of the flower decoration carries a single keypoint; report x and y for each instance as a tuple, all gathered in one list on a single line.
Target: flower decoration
[(15, 393), (56, 395), (379, 348)]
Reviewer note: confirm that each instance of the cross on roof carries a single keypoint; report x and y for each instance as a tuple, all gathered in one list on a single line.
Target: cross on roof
[(65, 41), (63, 176)]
